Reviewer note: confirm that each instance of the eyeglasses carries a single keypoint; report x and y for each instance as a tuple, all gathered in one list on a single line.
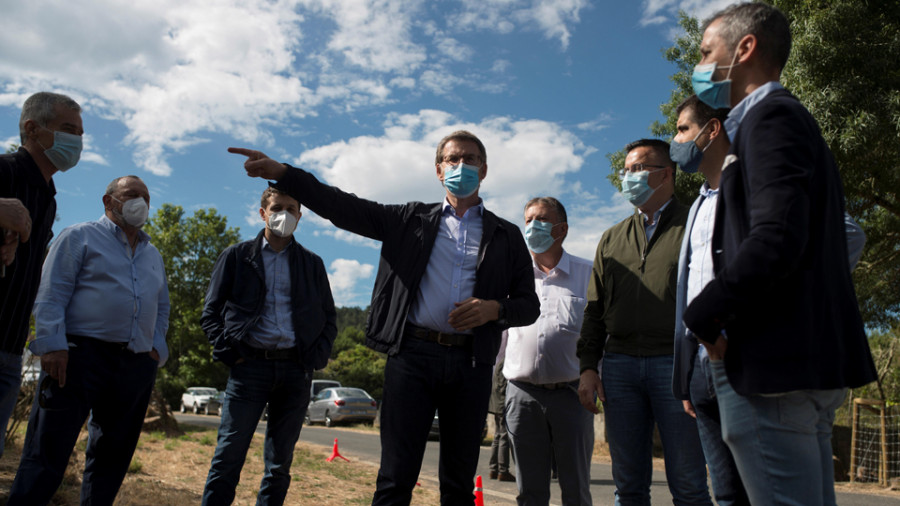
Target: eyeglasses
[(466, 159), (639, 167)]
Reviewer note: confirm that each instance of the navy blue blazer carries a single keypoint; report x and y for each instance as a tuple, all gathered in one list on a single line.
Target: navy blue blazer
[(783, 291)]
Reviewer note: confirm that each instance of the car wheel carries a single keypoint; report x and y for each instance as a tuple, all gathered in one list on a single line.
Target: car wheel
[(196, 409), (328, 421), (306, 419), (183, 407)]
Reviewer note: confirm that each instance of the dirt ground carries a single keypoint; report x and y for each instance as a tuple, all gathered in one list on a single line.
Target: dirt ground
[(171, 471)]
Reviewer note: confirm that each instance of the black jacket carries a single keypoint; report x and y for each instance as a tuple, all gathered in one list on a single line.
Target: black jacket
[(237, 293), (782, 291), (407, 232)]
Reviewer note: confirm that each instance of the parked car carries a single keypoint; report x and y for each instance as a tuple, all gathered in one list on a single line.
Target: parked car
[(195, 398), (435, 431), (318, 385), (342, 404), (214, 406)]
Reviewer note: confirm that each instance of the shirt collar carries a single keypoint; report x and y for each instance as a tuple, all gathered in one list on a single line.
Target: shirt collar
[(657, 213), (562, 266), (265, 244), (118, 232), (708, 192), (733, 121), (447, 208)]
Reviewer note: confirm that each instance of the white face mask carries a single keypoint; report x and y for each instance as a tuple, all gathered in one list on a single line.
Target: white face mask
[(282, 223), (134, 212)]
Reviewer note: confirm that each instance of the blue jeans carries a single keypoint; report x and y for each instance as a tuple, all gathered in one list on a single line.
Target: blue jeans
[(723, 473), (781, 443), (10, 383), (113, 386), (422, 377), (639, 393), (542, 423), (284, 384)]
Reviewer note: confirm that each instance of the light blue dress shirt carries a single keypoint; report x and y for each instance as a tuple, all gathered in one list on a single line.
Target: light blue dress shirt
[(275, 328), (450, 274), (650, 228), (93, 285)]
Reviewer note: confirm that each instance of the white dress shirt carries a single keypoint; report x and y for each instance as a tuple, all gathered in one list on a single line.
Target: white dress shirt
[(544, 352)]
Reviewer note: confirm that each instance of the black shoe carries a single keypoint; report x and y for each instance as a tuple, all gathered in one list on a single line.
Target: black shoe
[(505, 477), (493, 475)]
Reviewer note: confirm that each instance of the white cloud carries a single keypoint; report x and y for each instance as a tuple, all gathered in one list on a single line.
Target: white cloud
[(346, 278), (177, 72), (658, 12), (525, 158), (553, 18)]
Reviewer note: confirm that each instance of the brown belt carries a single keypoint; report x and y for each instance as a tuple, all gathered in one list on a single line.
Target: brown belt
[(438, 337)]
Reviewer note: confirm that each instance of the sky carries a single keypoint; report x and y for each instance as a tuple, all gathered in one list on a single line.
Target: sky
[(359, 92)]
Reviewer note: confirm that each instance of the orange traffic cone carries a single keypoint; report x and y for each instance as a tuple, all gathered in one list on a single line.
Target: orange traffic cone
[(335, 453), (479, 495)]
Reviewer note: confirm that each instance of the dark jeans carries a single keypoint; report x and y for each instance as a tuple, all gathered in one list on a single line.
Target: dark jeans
[(728, 488), (111, 384), (421, 377), (284, 384), (639, 394)]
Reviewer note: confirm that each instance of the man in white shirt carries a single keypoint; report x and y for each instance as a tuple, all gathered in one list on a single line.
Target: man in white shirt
[(543, 413)]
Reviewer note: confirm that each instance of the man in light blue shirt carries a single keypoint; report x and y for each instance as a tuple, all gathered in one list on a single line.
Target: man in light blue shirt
[(101, 316)]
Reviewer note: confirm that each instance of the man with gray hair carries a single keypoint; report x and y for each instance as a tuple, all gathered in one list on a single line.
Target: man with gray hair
[(543, 413), (50, 129), (101, 316)]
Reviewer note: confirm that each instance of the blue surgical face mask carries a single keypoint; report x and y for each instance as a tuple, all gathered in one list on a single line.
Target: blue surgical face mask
[(461, 180), (716, 94), (537, 235), (686, 154), (65, 151), (635, 187)]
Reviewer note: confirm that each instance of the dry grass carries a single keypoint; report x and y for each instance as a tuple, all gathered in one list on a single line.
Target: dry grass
[(171, 470)]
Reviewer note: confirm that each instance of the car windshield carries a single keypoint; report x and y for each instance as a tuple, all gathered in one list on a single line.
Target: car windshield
[(352, 392), (206, 391)]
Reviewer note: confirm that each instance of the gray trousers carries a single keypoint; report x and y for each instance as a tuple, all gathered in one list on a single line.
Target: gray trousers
[(500, 451), (546, 422)]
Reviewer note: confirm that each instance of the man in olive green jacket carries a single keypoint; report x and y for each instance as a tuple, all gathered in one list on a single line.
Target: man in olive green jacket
[(629, 324)]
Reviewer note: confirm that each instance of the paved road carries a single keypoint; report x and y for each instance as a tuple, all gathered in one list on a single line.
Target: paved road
[(365, 446)]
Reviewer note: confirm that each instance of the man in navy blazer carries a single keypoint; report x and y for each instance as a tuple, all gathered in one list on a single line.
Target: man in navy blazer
[(780, 320)]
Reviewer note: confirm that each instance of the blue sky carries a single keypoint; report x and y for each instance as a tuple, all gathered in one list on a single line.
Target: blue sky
[(358, 91)]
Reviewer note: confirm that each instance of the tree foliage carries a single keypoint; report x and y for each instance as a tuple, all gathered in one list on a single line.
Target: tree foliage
[(843, 68), (359, 367), (189, 246)]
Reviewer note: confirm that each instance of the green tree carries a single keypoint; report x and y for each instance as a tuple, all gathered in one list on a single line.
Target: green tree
[(359, 367), (843, 69), (189, 246), (347, 339), (351, 316)]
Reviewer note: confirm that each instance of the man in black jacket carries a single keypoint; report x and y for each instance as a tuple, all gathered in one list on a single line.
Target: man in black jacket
[(452, 276), (780, 319), (270, 316)]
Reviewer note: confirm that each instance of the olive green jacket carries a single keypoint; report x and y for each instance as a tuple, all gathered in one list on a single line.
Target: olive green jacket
[(631, 296)]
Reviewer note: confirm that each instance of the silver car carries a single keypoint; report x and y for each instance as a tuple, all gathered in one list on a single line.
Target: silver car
[(341, 404)]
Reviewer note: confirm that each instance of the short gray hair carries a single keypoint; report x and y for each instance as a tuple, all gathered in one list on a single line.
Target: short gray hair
[(41, 108), (763, 21), (114, 184), (552, 203)]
